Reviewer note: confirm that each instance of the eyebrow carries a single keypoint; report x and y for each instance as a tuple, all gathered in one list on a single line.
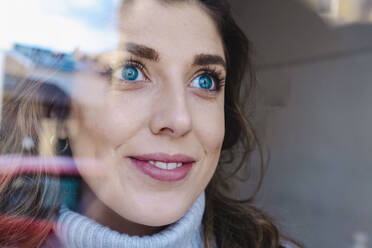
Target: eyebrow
[(142, 51), (209, 59), (151, 54)]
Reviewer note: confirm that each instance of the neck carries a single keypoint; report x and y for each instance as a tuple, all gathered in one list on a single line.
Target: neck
[(75, 230), (95, 209)]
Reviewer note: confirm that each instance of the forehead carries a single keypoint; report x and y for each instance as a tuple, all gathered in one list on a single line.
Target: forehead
[(171, 29)]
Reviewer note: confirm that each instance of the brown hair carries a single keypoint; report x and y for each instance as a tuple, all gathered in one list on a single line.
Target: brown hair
[(227, 222), (25, 193)]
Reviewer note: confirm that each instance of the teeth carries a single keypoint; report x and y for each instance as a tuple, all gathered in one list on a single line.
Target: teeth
[(171, 166), (165, 166)]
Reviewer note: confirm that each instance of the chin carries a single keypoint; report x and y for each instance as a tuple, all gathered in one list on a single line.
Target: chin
[(151, 217)]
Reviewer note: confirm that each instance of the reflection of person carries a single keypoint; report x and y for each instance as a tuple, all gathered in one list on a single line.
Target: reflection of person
[(154, 129)]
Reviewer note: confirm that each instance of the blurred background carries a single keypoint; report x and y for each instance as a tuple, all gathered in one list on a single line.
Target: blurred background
[(313, 60)]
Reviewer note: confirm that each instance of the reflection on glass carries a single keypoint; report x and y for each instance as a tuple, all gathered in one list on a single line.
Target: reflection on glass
[(122, 120)]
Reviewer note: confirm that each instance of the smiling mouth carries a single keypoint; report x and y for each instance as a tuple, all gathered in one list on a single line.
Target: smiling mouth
[(164, 167)]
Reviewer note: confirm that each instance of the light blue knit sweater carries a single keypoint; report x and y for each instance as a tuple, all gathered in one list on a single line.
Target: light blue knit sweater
[(73, 230)]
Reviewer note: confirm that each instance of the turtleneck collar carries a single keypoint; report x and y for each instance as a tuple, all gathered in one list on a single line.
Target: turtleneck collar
[(76, 231)]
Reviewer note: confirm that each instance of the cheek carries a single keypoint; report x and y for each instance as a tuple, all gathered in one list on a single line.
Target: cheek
[(209, 126), (114, 121), (99, 130)]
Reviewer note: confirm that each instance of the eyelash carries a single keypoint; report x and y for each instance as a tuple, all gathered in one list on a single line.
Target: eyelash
[(216, 75), (111, 69), (135, 63)]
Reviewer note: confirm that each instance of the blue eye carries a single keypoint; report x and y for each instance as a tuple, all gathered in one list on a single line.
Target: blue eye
[(204, 82), (129, 73)]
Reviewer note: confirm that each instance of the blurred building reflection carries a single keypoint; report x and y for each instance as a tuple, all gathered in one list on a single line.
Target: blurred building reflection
[(26, 64), (33, 63)]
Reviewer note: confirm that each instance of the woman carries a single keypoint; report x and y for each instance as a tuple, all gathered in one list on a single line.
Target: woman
[(146, 134)]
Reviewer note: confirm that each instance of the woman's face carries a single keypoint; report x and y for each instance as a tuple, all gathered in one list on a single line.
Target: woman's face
[(162, 108)]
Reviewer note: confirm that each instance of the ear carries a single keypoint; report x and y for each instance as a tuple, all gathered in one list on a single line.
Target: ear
[(61, 127)]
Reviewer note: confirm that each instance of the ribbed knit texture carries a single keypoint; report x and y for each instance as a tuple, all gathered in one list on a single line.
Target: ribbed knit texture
[(76, 231)]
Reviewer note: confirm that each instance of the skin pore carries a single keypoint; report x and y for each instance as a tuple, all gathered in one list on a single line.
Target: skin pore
[(165, 95)]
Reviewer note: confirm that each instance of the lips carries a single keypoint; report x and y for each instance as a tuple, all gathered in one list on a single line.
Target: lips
[(163, 167), (163, 157)]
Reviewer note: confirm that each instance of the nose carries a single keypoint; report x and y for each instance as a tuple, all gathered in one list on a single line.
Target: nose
[(171, 114)]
